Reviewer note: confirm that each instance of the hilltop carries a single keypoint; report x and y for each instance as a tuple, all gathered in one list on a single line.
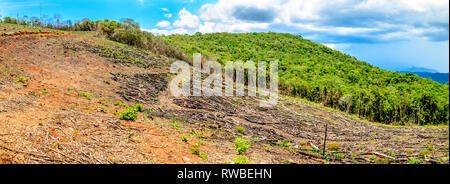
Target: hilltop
[(97, 96)]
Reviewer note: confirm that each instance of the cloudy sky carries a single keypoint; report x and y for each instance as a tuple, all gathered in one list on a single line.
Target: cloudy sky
[(391, 34)]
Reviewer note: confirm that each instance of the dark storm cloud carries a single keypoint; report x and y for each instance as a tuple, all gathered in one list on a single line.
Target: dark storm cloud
[(253, 14)]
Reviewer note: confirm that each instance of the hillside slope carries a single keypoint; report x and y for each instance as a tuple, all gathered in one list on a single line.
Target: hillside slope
[(320, 74), (62, 93)]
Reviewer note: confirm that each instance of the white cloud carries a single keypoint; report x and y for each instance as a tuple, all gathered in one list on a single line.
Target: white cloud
[(167, 32), (340, 47), (335, 21), (141, 1), (168, 15), (187, 20), (165, 9), (163, 24)]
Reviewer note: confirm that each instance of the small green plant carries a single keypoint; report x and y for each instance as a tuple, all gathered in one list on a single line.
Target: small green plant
[(203, 156), (103, 101), (130, 114), (85, 94), (267, 148), (382, 161), (256, 139), (107, 82), (285, 143), (195, 150), (23, 80), (241, 145), (413, 160), (240, 129), (334, 147), (119, 103), (175, 125), (338, 155), (45, 92), (241, 159), (185, 139), (139, 107)]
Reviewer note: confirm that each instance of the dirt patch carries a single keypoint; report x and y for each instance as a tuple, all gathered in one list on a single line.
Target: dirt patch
[(218, 104)]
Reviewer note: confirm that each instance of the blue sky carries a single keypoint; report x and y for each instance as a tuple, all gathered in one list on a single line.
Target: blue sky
[(391, 34)]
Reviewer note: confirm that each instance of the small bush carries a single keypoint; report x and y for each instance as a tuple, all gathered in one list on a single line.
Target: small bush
[(203, 156), (240, 159), (334, 146), (241, 145), (413, 160), (184, 139), (86, 95), (129, 114), (175, 125), (240, 129), (22, 80), (195, 150), (139, 107), (285, 143), (119, 103)]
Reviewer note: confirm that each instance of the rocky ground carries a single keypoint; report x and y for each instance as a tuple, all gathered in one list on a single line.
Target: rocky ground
[(61, 94)]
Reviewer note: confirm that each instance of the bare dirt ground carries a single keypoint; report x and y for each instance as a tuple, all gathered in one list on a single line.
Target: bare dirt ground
[(61, 95)]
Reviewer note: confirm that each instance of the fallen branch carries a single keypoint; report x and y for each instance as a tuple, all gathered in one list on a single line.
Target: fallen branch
[(310, 154), (379, 154)]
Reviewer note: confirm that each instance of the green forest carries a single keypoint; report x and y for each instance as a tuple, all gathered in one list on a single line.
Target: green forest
[(323, 75), (307, 69)]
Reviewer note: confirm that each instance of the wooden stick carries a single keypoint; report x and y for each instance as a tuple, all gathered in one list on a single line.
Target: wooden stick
[(325, 140)]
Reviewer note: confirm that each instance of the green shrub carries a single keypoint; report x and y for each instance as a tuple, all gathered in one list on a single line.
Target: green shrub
[(241, 159), (195, 150), (129, 114), (334, 146), (22, 80), (413, 160), (240, 129), (139, 107), (175, 125), (203, 156), (86, 95), (184, 139), (285, 143), (119, 103), (241, 145)]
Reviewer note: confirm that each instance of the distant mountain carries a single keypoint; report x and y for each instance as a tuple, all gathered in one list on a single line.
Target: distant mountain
[(418, 70), (438, 77)]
